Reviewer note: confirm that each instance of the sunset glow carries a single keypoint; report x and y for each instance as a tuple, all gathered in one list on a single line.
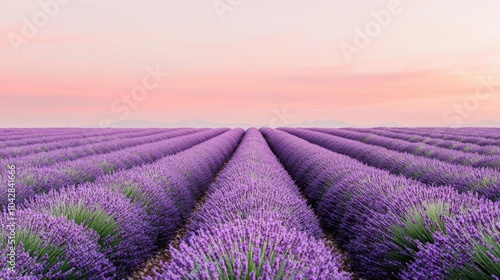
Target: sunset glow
[(431, 58)]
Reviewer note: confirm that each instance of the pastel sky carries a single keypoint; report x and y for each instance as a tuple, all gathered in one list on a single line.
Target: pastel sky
[(425, 65)]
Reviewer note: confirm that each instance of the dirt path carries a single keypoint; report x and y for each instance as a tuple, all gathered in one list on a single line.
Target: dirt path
[(163, 255)]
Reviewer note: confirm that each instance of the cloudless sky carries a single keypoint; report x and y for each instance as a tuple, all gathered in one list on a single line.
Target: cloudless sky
[(263, 58)]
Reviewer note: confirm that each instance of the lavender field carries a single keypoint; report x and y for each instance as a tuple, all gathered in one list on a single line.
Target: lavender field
[(287, 203)]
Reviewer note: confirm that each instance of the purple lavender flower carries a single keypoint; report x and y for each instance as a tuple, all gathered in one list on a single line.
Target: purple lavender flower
[(253, 249), (470, 249), (55, 246), (26, 266), (125, 235), (350, 202), (389, 241)]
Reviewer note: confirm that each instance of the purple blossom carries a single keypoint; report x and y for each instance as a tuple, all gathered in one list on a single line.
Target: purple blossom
[(79, 246), (271, 250), (470, 248), (131, 237)]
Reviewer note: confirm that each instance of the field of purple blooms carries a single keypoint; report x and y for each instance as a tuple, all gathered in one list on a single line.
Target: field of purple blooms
[(288, 203)]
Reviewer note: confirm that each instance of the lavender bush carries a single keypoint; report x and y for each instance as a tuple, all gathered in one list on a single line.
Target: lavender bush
[(55, 248), (125, 235), (253, 249), (470, 249)]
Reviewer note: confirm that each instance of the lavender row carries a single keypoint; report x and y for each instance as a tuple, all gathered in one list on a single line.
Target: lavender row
[(484, 132), (419, 149), (38, 136), (104, 230), (254, 224), (15, 151), (447, 144), (16, 134), (31, 181), (82, 133), (80, 152), (393, 227), (464, 139), (485, 182)]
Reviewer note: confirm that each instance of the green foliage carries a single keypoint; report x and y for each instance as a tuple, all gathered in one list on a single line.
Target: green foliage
[(95, 219), (484, 183), (39, 249), (415, 227), (28, 180), (77, 175), (419, 149), (226, 266), (133, 193), (107, 167), (483, 265)]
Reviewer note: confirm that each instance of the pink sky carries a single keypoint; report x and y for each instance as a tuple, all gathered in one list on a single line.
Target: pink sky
[(263, 57)]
